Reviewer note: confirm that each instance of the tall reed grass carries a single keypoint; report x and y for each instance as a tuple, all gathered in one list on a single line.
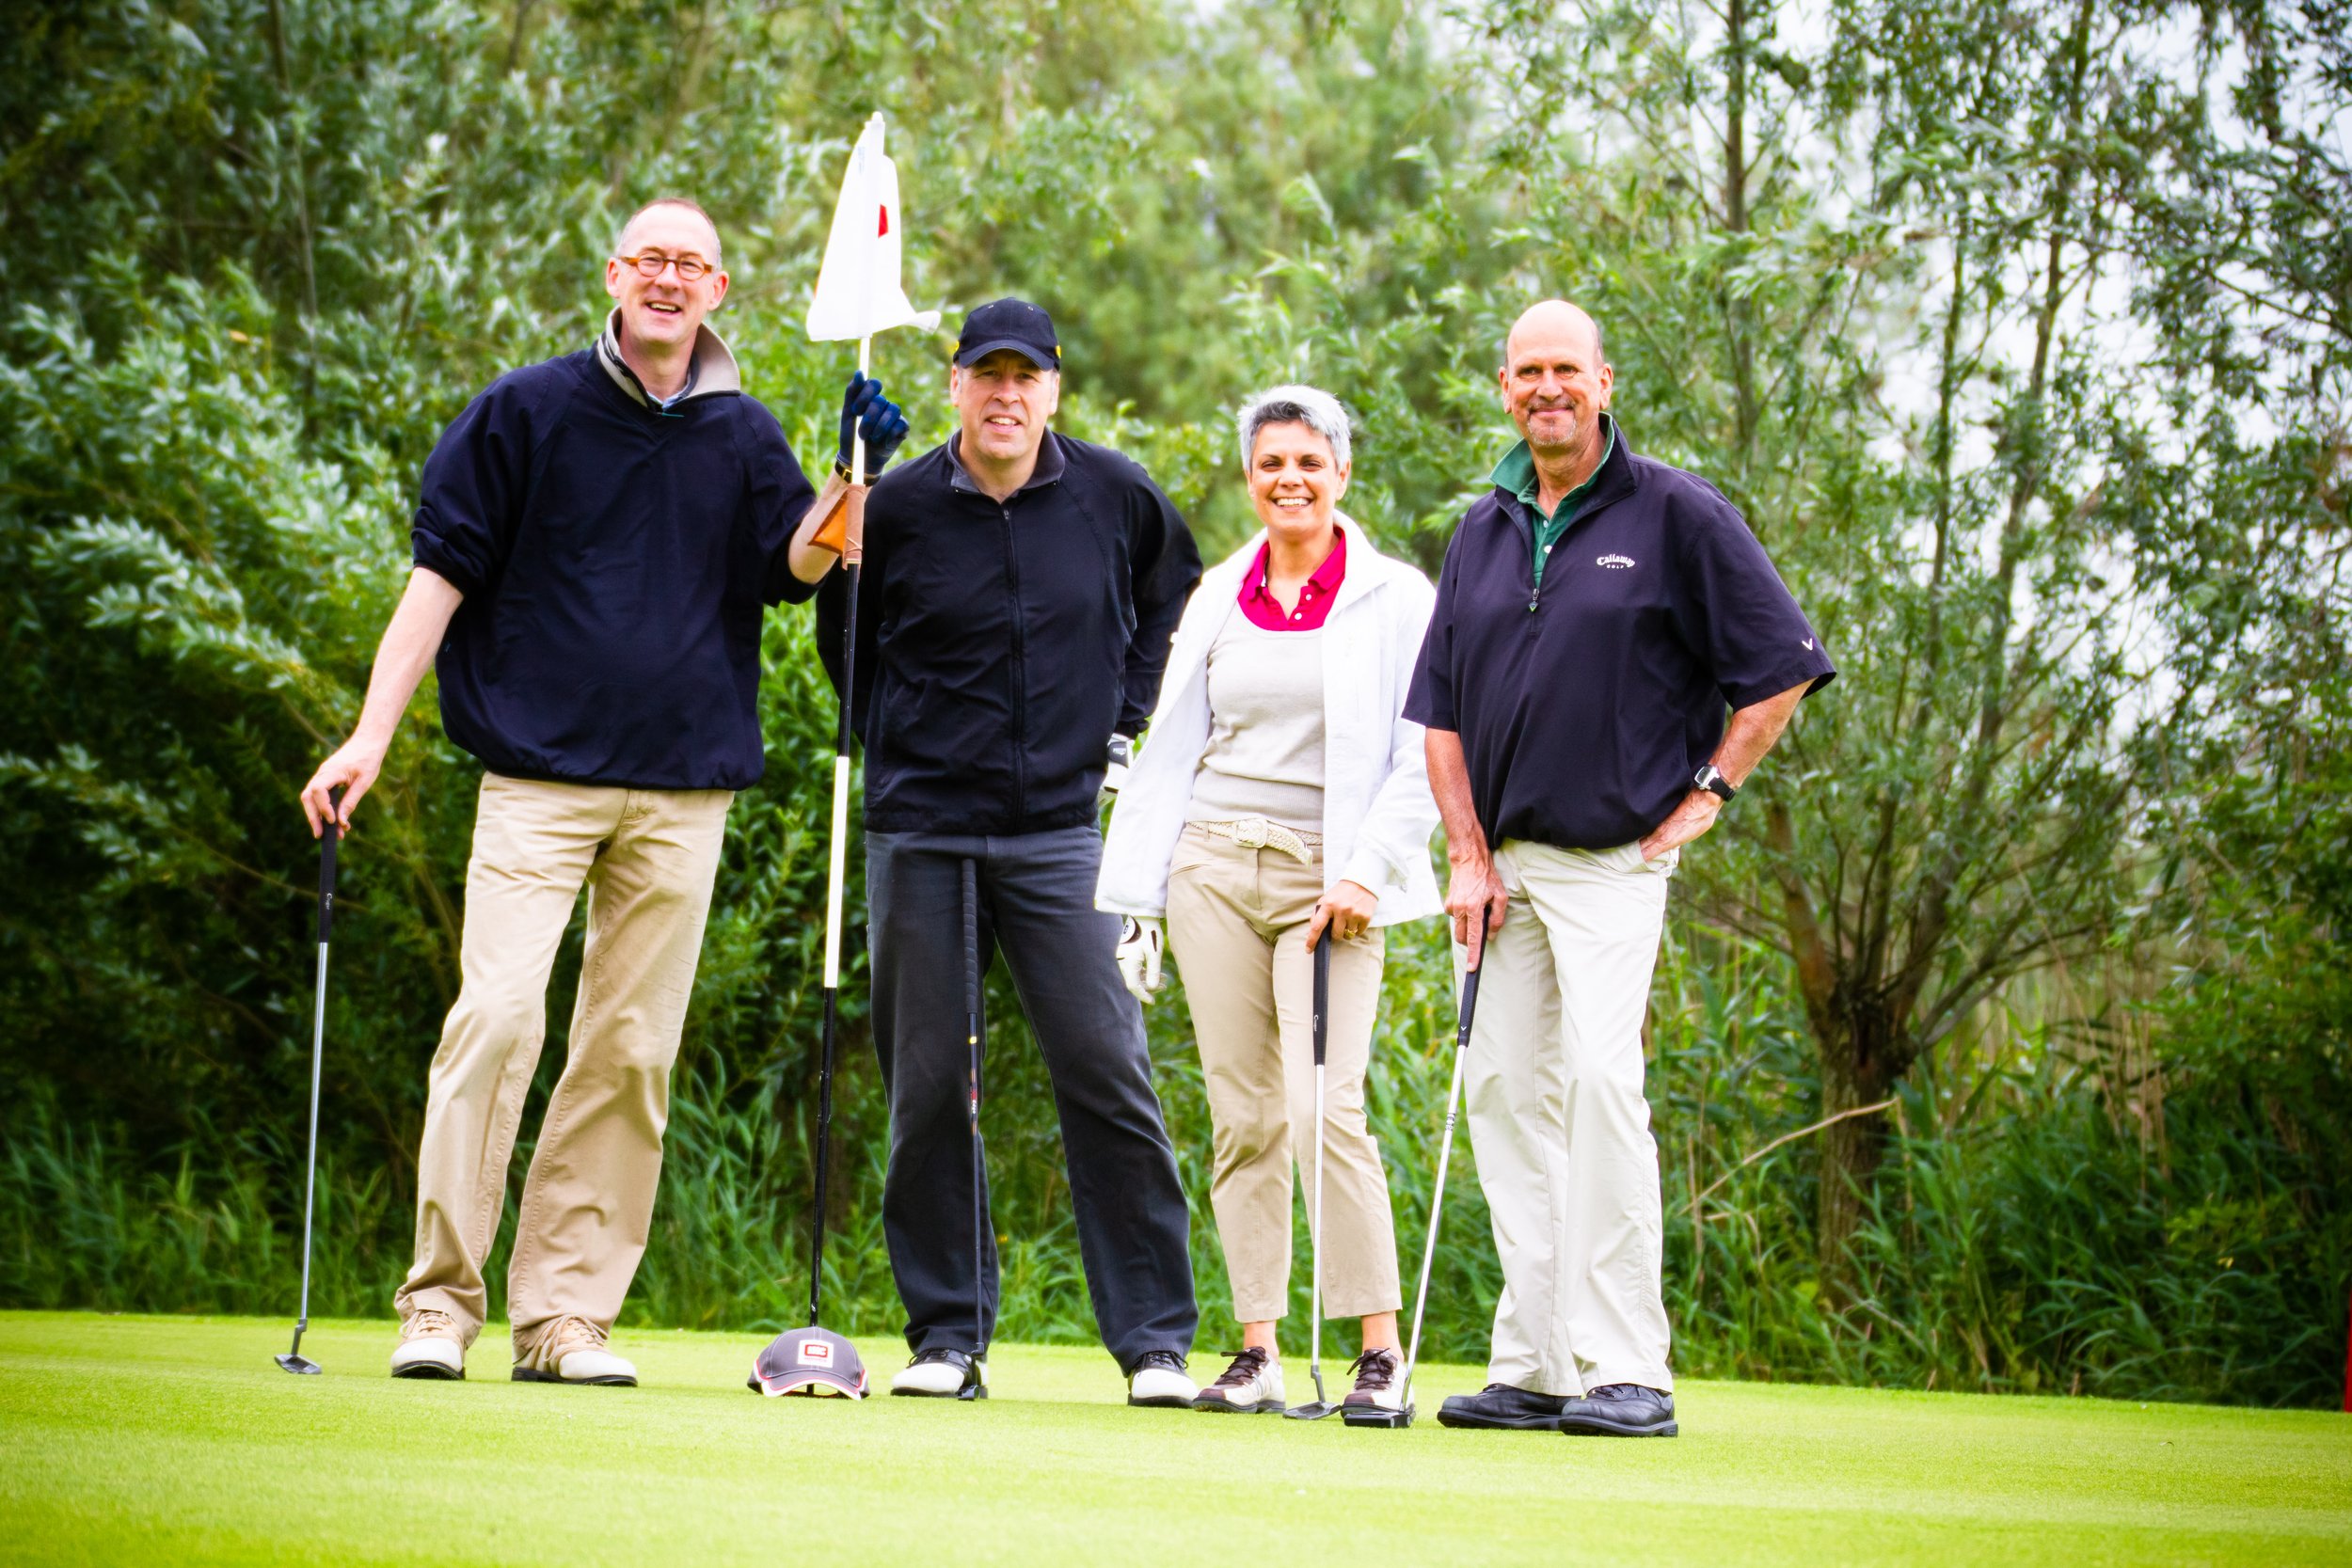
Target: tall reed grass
[(2021, 1235)]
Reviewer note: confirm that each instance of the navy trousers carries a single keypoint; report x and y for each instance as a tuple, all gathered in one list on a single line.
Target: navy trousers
[(1037, 905)]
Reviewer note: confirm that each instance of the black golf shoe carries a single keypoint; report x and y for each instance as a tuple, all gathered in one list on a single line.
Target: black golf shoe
[(940, 1373), (1500, 1406), (1620, 1410)]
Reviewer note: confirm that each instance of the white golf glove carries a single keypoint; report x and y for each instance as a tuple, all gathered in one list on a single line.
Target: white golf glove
[(1121, 752), (1141, 942)]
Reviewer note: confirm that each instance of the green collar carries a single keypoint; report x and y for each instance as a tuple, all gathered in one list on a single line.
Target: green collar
[(1516, 474)]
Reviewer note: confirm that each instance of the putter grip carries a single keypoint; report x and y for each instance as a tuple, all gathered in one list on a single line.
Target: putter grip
[(1469, 1010), (326, 866), (970, 940), (1322, 994)]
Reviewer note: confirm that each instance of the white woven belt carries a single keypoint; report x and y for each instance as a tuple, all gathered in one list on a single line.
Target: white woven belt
[(1256, 833)]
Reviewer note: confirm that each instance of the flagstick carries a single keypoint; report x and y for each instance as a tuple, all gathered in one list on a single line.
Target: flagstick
[(851, 560)]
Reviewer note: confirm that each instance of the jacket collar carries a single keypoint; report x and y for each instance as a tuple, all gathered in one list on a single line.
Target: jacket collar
[(712, 370), (1051, 463), (1613, 480)]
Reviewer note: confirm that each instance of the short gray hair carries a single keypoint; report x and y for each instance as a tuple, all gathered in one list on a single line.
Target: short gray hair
[(1318, 410)]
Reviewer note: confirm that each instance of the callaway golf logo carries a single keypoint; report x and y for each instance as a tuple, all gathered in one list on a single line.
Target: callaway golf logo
[(1614, 563)]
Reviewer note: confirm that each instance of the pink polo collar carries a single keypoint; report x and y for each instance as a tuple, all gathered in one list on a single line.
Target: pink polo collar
[(1314, 600)]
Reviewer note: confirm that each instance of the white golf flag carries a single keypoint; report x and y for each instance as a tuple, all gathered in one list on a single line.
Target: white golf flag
[(858, 291)]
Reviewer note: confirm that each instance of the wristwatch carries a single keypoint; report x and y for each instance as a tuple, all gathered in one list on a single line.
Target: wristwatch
[(1711, 779)]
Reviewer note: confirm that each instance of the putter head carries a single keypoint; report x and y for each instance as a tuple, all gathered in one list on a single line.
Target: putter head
[(1373, 1416), (1313, 1410), (814, 1362), (302, 1364)]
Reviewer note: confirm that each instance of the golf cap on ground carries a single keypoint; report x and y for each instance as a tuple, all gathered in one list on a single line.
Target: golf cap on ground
[(1013, 323), (810, 1361)]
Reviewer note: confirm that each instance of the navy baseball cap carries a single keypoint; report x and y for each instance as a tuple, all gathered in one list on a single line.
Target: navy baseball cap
[(809, 1361), (1013, 323)]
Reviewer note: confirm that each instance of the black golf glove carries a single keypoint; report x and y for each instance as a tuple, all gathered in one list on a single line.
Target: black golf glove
[(866, 412)]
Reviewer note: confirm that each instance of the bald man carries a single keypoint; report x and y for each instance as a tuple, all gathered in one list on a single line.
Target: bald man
[(596, 540), (1598, 615)]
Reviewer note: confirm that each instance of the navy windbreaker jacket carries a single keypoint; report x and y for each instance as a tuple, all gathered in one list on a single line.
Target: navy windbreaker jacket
[(1000, 646), (1585, 706), (615, 559)]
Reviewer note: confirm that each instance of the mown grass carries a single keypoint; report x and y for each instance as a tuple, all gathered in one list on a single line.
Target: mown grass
[(135, 1440)]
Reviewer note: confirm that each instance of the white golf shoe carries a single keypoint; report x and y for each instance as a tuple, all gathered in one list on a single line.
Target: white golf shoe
[(572, 1350), (430, 1346), (1252, 1386), (1158, 1379), (941, 1374)]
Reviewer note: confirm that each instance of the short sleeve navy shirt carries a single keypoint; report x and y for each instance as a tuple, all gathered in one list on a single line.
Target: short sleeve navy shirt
[(1585, 705)]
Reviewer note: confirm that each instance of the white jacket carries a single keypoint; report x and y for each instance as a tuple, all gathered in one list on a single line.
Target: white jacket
[(1378, 812)]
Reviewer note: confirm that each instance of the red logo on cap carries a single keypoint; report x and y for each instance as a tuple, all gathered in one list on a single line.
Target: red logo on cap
[(814, 1351)]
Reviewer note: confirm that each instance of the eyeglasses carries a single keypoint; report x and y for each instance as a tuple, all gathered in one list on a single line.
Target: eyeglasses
[(650, 262)]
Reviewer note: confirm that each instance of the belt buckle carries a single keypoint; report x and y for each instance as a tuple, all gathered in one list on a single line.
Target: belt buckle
[(1250, 832)]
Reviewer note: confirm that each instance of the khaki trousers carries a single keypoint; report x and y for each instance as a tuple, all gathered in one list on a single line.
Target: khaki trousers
[(1559, 1122), (647, 858), (1237, 922)]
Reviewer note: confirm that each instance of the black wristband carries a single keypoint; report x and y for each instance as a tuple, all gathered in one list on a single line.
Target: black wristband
[(1711, 779)]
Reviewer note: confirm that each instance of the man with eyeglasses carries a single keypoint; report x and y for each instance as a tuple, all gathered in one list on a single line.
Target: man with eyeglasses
[(596, 540)]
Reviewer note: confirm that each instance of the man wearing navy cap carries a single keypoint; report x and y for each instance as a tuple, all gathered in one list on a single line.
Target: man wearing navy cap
[(1020, 589), (1598, 613)]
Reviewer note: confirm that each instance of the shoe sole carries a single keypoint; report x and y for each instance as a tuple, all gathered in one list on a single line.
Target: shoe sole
[(429, 1371), (1226, 1407), (525, 1374), (1494, 1424), (1588, 1426), (1170, 1401), (979, 1393)]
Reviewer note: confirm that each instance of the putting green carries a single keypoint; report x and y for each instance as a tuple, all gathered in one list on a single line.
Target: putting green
[(176, 1440)]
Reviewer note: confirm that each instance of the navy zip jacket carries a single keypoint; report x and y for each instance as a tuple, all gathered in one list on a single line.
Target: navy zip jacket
[(615, 556), (1585, 707), (1000, 646)]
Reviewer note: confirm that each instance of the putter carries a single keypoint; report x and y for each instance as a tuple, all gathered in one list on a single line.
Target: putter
[(1317, 1408), (978, 1387), (1363, 1415), (814, 1361), (294, 1360)]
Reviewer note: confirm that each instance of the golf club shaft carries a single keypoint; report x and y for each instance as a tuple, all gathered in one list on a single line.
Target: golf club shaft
[(328, 841), (1315, 1232), (1436, 1195), (972, 1047)]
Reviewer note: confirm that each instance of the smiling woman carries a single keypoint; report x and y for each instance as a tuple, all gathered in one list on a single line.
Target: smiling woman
[(1282, 803)]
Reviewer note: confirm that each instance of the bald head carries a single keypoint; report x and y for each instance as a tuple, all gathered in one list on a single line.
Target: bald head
[(1550, 321), (679, 219), (1555, 383)]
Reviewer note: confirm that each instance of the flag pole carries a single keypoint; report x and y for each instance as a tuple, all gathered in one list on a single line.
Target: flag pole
[(852, 558)]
